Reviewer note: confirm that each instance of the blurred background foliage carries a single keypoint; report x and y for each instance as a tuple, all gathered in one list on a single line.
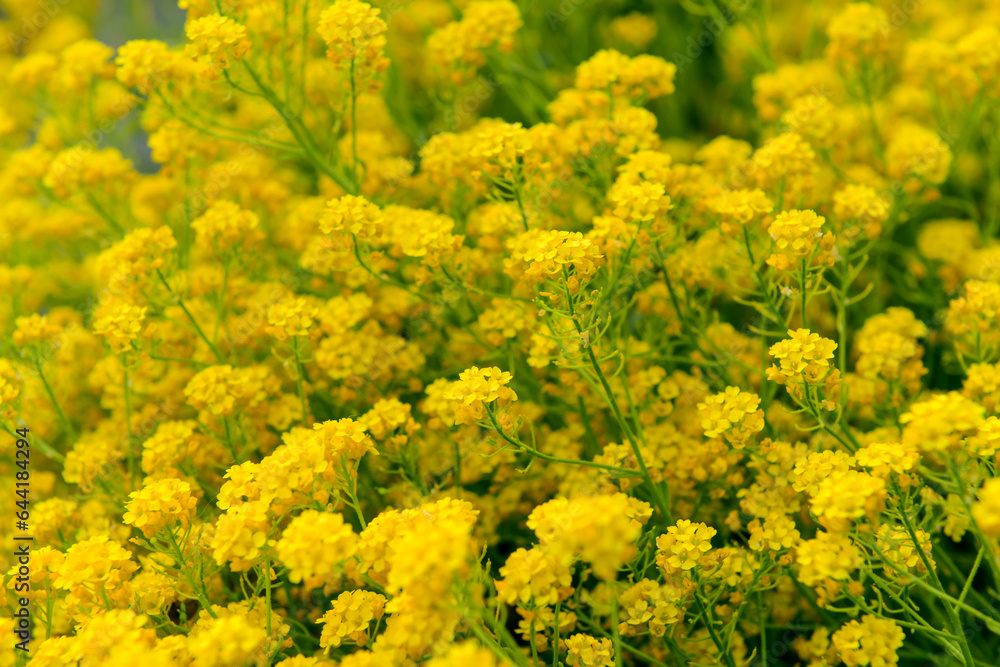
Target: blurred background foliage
[(558, 35)]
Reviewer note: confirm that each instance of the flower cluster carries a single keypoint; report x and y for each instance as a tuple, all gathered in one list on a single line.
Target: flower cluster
[(490, 333)]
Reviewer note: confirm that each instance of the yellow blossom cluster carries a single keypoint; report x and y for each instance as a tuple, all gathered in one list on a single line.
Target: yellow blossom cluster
[(483, 333)]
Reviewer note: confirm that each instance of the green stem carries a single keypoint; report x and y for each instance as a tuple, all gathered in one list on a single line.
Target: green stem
[(221, 313), (555, 641), (267, 593), (759, 277), (531, 641), (188, 575), (52, 397), (762, 620), (658, 497), (939, 591), (972, 574), (354, 120), (710, 624), (298, 381), (128, 422), (194, 322), (616, 638), (46, 448), (555, 459), (805, 294)]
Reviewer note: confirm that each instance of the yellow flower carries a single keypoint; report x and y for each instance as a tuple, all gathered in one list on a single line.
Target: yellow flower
[(121, 325), (352, 215), (456, 50), (130, 263), (290, 318), (213, 389), (598, 529), (355, 38), (843, 497), (156, 505), (225, 641), (34, 329), (227, 226), (859, 208), (215, 42), (542, 254), (475, 388), (740, 207), (733, 414), (858, 32), (240, 535), (533, 575), (986, 510), (873, 641), (143, 63), (805, 357), (94, 570), (886, 458), (466, 654), (776, 533), (896, 546), (827, 556), (350, 618), (683, 546), (587, 651), (916, 155), (315, 545), (940, 422), (797, 236), (344, 437), (651, 605)]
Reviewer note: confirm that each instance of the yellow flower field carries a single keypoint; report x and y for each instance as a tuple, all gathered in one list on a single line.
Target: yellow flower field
[(468, 333)]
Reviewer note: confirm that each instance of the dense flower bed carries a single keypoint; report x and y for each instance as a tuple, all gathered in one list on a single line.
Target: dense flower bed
[(474, 333)]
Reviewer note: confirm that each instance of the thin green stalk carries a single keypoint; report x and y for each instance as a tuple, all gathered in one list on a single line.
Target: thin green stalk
[(625, 645), (866, 91), (46, 448), (128, 422), (939, 591), (485, 638), (298, 381), (616, 638), (759, 277), (52, 397), (762, 620), (188, 575), (662, 503), (555, 459), (710, 624), (351, 487), (194, 322), (555, 641), (520, 206), (354, 119), (992, 560), (531, 641), (972, 574), (267, 592), (107, 217), (805, 294), (229, 440), (221, 312), (301, 133)]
